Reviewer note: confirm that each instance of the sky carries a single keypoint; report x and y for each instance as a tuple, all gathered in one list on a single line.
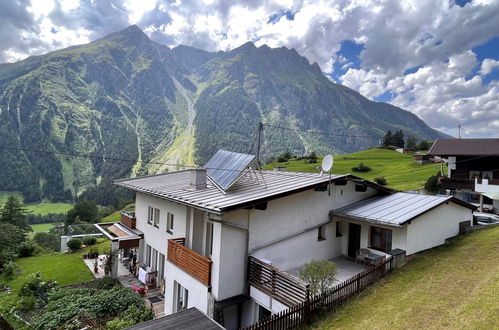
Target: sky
[(436, 58)]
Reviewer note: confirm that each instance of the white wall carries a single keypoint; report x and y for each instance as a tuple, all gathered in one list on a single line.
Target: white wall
[(297, 212), (267, 301), (434, 227), (198, 293), (157, 238)]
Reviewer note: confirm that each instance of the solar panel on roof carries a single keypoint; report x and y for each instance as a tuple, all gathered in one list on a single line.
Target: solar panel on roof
[(225, 167)]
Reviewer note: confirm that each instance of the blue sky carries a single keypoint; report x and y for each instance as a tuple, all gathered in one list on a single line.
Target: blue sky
[(436, 58)]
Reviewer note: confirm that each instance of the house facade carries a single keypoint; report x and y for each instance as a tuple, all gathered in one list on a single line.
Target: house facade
[(473, 169), (215, 244)]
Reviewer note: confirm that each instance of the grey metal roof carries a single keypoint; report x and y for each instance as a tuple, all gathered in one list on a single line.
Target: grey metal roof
[(225, 167), (394, 210), (174, 186), (189, 319)]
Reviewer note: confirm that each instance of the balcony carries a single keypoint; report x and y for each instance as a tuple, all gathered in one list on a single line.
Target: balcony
[(487, 185), (456, 184), (128, 219), (189, 261), (284, 287)]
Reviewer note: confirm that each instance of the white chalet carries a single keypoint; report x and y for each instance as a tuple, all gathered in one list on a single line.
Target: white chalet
[(213, 232)]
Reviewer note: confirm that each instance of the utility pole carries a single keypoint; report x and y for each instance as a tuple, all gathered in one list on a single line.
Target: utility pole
[(459, 126), (260, 129)]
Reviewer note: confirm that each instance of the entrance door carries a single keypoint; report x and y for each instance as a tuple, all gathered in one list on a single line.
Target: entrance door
[(353, 239)]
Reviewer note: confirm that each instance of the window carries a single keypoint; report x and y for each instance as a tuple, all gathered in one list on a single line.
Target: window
[(321, 233), (150, 214), (338, 231), (360, 188), (169, 223), (381, 239), (154, 261), (156, 218), (182, 297), (148, 255), (209, 239)]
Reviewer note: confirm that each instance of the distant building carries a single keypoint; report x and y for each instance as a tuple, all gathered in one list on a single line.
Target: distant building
[(473, 169)]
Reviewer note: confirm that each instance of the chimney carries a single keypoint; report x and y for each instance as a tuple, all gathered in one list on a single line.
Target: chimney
[(198, 178)]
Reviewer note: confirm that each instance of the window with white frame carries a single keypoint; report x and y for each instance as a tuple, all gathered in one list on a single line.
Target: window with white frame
[(148, 255), (156, 218), (169, 223), (150, 214), (181, 297), (321, 233)]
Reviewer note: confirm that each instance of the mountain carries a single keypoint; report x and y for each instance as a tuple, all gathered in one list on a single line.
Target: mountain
[(132, 105)]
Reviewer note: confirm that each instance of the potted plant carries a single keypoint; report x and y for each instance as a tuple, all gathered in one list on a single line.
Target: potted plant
[(96, 267)]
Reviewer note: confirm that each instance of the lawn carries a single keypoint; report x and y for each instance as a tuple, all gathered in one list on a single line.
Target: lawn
[(116, 215), (399, 170), (42, 208), (65, 268), (42, 227), (452, 287)]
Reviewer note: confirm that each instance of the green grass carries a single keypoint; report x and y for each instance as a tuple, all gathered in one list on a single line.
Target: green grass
[(116, 215), (42, 208), (450, 287), (42, 227), (399, 170)]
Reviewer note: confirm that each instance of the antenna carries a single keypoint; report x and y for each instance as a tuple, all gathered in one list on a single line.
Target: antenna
[(326, 166), (327, 163)]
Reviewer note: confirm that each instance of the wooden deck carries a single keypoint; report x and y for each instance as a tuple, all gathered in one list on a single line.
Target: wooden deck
[(190, 261)]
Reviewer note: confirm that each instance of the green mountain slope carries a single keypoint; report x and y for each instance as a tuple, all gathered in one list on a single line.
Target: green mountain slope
[(126, 97)]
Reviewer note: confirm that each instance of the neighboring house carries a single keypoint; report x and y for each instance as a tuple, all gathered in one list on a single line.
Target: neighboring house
[(473, 169), (405, 150), (213, 229)]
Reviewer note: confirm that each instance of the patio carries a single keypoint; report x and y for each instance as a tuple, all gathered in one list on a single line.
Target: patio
[(345, 268), (153, 297)]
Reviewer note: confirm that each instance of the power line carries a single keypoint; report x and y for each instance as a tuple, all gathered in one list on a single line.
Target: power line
[(322, 133)]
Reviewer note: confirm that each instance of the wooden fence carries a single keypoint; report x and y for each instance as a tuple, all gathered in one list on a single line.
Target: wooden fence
[(327, 301)]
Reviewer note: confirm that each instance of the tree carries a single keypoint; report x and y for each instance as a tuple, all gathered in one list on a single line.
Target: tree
[(11, 236), (319, 274), (423, 145), (432, 184), (15, 213), (398, 139), (84, 211), (411, 142), (48, 241), (387, 139)]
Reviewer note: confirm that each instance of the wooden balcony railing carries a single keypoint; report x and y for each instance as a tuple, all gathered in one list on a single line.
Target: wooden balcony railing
[(455, 183), (280, 285), (128, 219), (191, 262)]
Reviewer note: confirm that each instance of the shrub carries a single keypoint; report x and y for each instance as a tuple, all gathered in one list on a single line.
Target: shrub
[(361, 168), (319, 274), (89, 240), (48, 241), (133, 315), (432, 184), (6, 256), (27, 249), (35, 286), (381, 181), (9, 269), (26, 304), (107, 283), (74, 244)]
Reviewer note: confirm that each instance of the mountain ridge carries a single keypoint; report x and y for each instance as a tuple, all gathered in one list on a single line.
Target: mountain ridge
[(125, 96)]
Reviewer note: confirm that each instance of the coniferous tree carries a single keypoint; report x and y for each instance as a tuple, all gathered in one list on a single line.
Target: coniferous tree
[(15, 213), (411, 142), (387, 140)]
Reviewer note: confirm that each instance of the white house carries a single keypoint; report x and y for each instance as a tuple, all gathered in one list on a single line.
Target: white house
[(212, 233)]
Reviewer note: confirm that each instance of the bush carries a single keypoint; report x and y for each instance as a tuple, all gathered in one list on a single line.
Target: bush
[(432, 184), (133, 315), (107, 283), (319, 274), (381, 181), (26, 304), (74, 244), (27, 249), (361, 168), (36, 287), (89, 240), (9, 269), (6, 256), (48, 241)]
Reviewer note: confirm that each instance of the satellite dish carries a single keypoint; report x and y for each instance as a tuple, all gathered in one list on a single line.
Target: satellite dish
[(327, 163)]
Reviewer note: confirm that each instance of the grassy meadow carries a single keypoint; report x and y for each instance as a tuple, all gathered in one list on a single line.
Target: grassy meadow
[(455, 286), (42, 208), (399, 170)]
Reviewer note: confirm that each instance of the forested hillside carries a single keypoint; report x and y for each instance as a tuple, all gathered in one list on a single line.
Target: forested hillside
[(125, 100)]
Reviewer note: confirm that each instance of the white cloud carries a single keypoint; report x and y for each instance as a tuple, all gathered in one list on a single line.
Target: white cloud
[(488, 65)]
